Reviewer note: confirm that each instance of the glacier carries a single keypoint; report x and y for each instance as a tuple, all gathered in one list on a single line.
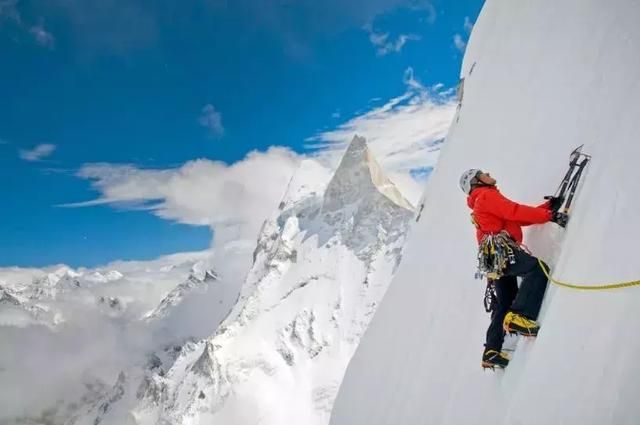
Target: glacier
[(540, 78)]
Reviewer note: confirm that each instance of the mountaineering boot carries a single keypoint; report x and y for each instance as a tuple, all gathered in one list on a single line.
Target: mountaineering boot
[(516, 323), (493, 358)]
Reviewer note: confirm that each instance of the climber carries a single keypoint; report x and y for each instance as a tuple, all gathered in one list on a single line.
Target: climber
[(499, 222)]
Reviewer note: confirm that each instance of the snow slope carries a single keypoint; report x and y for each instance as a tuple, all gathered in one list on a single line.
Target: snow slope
[(541, 77), (321, 265)]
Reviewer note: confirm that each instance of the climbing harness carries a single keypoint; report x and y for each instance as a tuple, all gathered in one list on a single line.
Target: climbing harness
[(495, 253)]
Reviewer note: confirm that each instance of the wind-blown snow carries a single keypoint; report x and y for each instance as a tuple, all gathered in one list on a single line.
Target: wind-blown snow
[(540, 78)]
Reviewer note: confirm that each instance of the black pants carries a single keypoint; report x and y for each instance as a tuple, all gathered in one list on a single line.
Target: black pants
[(525, 301)]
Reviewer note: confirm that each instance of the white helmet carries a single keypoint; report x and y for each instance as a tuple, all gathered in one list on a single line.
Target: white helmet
[(466, 179)]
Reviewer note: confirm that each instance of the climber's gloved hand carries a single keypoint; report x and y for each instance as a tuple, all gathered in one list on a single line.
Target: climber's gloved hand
[(560, 218), (554, 202)]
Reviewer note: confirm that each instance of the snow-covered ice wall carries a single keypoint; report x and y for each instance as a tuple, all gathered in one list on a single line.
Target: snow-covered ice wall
[(541, 77)]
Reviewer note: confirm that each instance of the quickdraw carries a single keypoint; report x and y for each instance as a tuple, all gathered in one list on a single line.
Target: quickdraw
[(495, 253)]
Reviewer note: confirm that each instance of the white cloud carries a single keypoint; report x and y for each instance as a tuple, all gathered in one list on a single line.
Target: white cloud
[(426, 6), (9, 10), (38, 153), (42, 36), (403, 133), (459, 42), (212, 120), (385, 46), (232, 199), (431, 13), (468, 25)]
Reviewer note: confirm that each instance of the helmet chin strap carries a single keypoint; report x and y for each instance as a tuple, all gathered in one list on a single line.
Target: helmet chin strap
[(481, 184)]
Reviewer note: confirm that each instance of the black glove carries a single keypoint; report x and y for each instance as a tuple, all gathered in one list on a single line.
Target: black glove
[(560, 218), (555, 202)]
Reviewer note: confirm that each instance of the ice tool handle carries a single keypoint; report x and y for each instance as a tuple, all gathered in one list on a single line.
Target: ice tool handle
[(567, 188), (577, 163)]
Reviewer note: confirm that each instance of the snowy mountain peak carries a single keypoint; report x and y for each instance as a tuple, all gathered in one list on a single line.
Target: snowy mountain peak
[(103, 277), (321, 266), (197, 281), (358, 176), (362, 204), (201, 270), (51, 279), (309, 180), (206, 364)]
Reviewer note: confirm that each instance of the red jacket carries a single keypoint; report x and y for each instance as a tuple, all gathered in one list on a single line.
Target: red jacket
[(492, 213)]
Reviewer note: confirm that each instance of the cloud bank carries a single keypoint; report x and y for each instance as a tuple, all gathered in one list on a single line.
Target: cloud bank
[(232, 199)]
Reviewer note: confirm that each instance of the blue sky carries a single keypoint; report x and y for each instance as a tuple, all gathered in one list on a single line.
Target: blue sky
[(158, 85)]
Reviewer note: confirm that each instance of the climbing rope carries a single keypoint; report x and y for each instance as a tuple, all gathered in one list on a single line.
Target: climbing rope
[(587, 287), (495, 250)]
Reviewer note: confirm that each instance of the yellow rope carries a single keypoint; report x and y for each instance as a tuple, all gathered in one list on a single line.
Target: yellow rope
[(588, 287)]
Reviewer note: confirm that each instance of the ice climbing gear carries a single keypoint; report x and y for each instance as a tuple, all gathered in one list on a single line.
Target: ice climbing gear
[(601, 287), (568, 187), (573, 162), (494, 254), (573, 184), (420, 212), (494, 358), (554, 202), (490, 296), (569, 184), (467, 179), (515, 323), (560, 218)]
